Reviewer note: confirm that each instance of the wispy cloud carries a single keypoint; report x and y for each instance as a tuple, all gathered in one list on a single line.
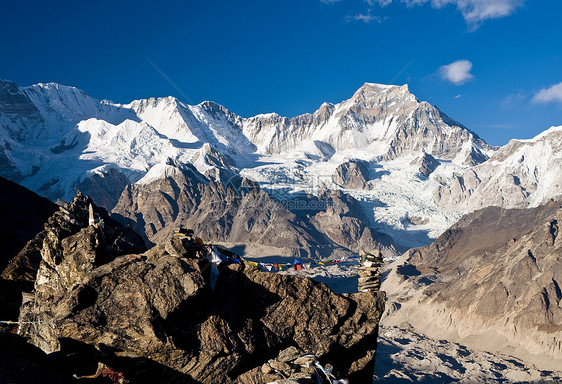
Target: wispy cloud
[(382, 3), (366, 17), (477, 11), (473, 11), (457, 72), (549, 95), (514, 100), (329, 1)]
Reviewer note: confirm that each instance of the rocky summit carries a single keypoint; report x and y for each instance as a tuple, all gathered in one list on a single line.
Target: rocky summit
[(154, 314)]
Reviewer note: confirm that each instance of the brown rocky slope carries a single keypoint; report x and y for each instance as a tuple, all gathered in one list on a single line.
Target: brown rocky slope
[(237, 212), (492, 281)]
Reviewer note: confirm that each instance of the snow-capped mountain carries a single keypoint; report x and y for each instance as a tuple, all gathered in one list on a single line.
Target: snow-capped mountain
[(56, 139), (523, 173), (386, 121)]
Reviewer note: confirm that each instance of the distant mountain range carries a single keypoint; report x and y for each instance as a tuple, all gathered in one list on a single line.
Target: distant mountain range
[(406, 171)]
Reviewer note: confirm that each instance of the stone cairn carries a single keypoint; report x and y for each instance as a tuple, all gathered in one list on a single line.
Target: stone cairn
[(293, 366), (369, 272), (182, 243)]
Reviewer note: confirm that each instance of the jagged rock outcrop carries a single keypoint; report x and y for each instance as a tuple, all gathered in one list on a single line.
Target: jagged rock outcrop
[(292, 365), (522, 173), (491, 281), (159, 307), (427, 164), (67, 221), (342, 219), (352, 174), (22, 214)]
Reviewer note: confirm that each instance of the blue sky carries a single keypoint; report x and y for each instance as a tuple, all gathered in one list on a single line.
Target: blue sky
[(494, 65)]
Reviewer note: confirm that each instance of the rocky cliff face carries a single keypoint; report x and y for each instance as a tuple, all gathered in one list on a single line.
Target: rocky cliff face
[(157, 309), (427, 164), (66, 222), (491, 281), (522, 173), (352, 174)]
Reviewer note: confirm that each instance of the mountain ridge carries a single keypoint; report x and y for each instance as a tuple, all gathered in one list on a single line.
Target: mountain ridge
[(100, 147)]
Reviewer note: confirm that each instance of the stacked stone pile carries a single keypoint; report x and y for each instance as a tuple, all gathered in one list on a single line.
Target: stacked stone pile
[(369, 272), (293, 366), (183, 243)]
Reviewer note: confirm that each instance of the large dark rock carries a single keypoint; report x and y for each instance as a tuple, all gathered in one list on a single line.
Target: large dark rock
[(160, 308)]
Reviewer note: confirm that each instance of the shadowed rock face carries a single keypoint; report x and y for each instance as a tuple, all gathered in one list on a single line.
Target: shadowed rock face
[(62, 224), (427, 164), (160, 307), (493, 281), (22, 214)]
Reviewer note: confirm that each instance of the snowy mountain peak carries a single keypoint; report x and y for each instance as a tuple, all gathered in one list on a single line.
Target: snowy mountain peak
[(541, 136), (376, 87), (380, 92), (520, 174)]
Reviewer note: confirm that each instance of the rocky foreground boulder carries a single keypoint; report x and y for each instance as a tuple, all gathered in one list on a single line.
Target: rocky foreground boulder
[(155, 315)]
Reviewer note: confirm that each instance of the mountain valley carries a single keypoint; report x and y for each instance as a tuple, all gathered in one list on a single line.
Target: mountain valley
[(469, 233)]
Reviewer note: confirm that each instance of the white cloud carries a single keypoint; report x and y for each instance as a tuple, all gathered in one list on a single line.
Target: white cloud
[(548, 95), (473, 11), (457, 97), (382, 3), (366, 18), (476, 11), (514, 100), (458, 72), (329, 1)]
